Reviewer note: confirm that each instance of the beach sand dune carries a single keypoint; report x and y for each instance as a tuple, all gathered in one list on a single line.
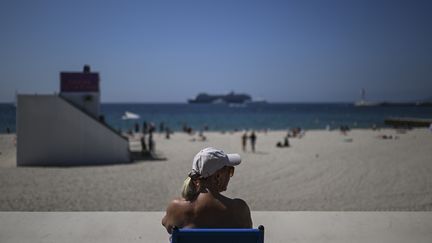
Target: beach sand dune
[(324, 170)]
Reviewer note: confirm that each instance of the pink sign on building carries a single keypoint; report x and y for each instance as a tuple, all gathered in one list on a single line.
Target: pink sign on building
[(79, 82)]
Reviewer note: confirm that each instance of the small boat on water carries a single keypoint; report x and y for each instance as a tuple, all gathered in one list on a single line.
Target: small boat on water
[(363, 101)]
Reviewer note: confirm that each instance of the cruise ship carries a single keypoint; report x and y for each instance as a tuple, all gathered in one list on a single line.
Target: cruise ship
[(231, 98)]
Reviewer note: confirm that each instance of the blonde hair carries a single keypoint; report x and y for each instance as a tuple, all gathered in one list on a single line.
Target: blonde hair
[(189, 190)]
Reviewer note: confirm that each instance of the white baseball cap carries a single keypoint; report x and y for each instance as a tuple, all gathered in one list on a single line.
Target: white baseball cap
[(209, 160)]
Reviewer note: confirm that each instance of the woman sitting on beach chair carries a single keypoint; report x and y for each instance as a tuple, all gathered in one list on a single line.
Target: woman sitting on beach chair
[(202, 205)]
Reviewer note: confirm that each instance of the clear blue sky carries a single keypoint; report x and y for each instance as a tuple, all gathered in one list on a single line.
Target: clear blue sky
[(168, 51)]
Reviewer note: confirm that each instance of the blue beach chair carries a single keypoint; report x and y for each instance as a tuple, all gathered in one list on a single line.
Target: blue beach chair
[(218, 235)]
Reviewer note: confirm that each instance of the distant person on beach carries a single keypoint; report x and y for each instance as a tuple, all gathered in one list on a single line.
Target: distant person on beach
[(301, 133), (144, 127), (244, 140), (187, 129), (201, 136), (294, 132), (202, 205), (161, 127), (285, 144), (143, 145), (167, 133), (253, 138), (151, 142), (344, 129), (152, 127), (137, 127)]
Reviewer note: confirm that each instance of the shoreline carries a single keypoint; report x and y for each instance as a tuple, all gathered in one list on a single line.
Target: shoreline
[(335, 128), (273, 130)]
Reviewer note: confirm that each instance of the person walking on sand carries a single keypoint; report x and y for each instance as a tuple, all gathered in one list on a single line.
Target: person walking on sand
[(144, 127), (151, 144), (253, 138), (137, 128), (143, 145), (202, 205), (244, 141)]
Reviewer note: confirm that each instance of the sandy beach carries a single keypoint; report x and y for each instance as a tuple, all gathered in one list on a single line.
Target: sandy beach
[(324, 170)]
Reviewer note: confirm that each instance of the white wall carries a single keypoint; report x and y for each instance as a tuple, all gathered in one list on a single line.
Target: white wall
[(79, 98), (50, 131)]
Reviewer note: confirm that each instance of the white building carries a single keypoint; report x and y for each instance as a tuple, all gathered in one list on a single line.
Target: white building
[(65, 129)]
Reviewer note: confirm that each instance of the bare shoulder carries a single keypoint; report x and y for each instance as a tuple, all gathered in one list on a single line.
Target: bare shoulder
[(240, 204), (176, 213), (245, 214), (178, 207), (178, 203)]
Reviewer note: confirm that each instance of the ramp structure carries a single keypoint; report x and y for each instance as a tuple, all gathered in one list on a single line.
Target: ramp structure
[(66, 129)]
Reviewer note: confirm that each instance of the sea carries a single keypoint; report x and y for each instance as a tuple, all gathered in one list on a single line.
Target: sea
[(223, 117)]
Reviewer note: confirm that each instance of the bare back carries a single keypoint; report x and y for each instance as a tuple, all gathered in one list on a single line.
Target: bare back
[(208, 211)]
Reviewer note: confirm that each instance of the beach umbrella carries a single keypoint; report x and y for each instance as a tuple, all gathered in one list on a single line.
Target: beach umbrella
[(130, 116)]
